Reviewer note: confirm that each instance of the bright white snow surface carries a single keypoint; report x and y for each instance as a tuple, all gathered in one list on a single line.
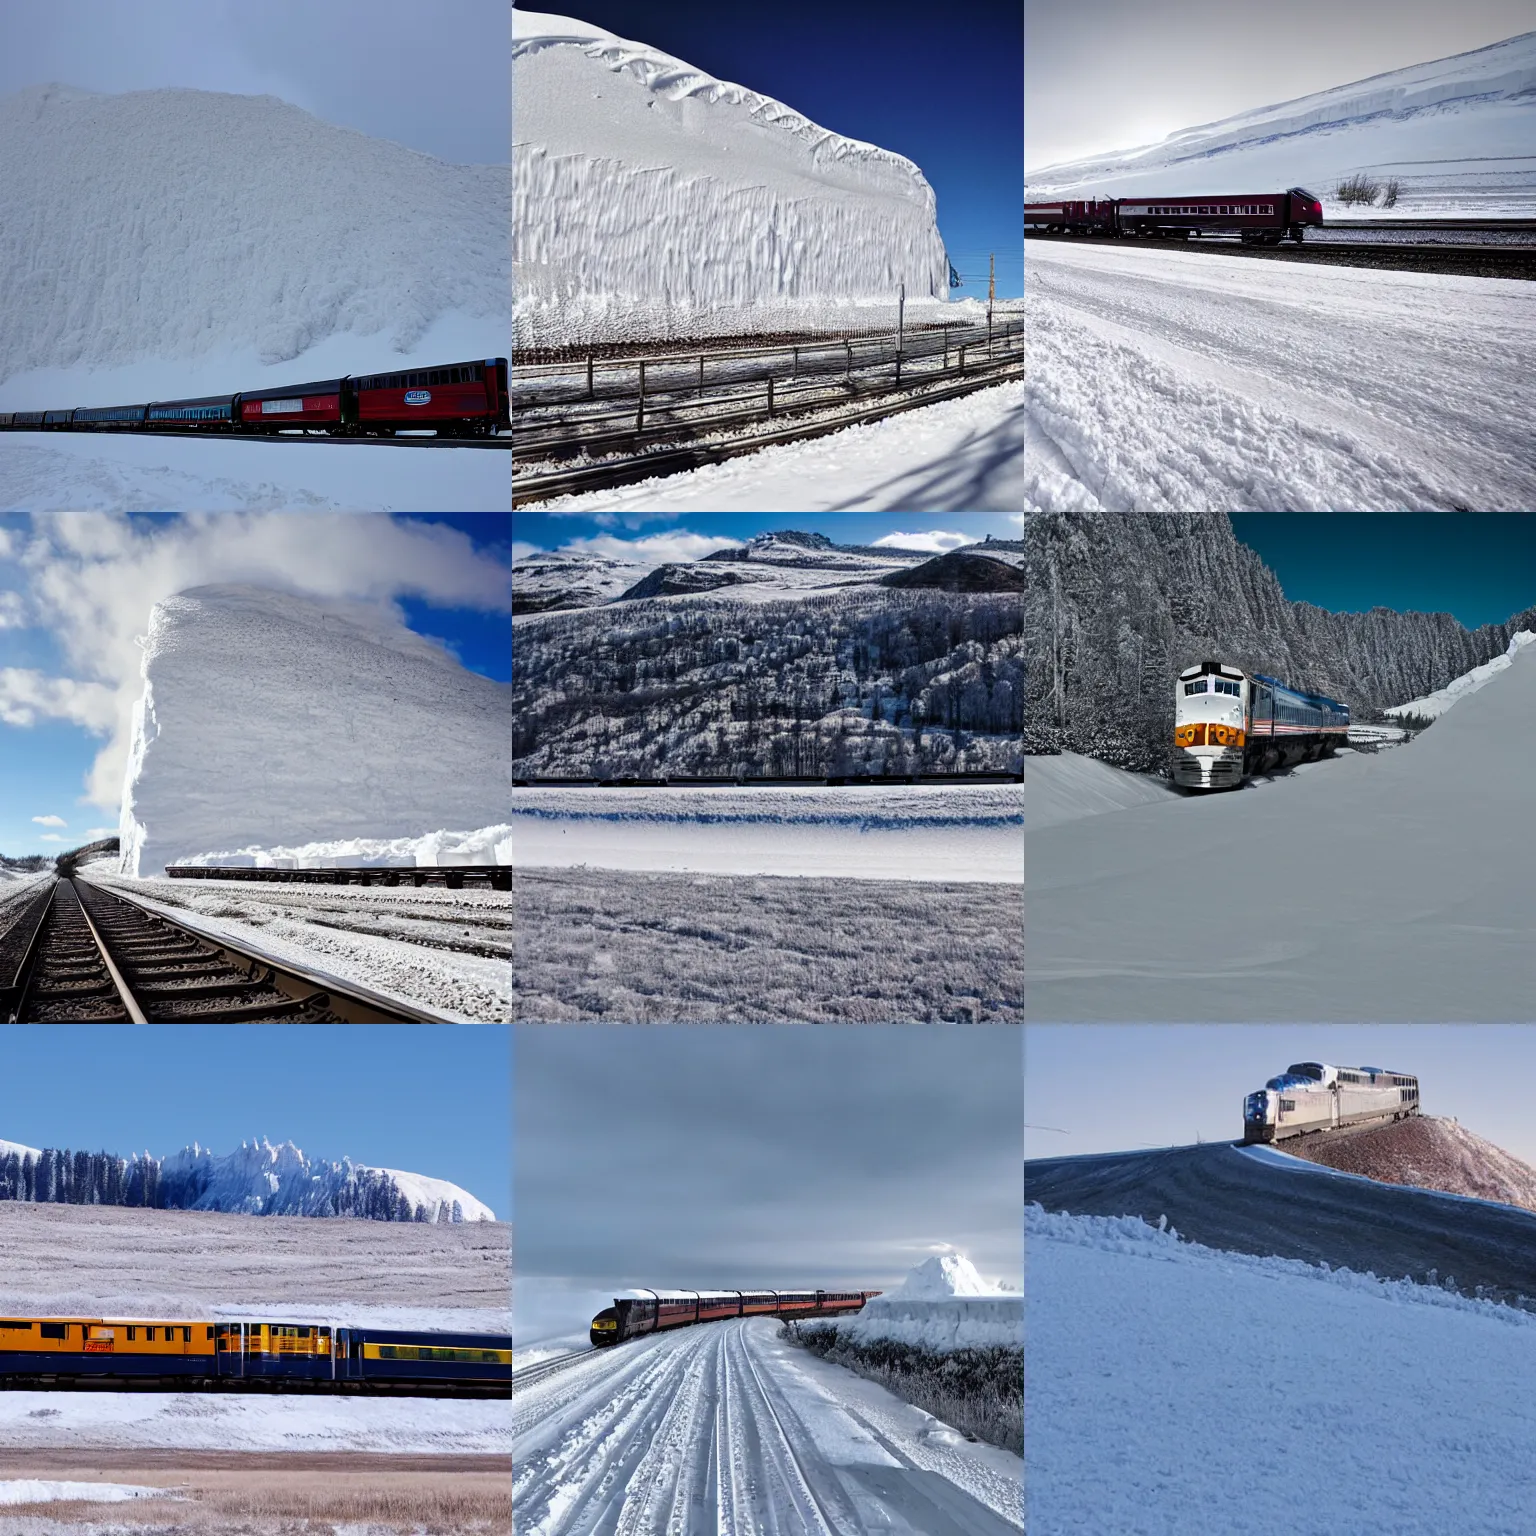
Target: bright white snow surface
[(1435, 704), (1171, 1390), (942, 1305), (485, 845), (274, 720), (33, 1490), (648, 194), (1179, 381), (1459, 132), (1068, 785), (962, 455), (1394, 887), (725, 1427), (916, 832)]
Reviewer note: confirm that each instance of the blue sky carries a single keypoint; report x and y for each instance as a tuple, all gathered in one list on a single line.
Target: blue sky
[(654, 537), (430, 1099), (1481, 567), (943, 86), (76, 588), (1113, 1088)]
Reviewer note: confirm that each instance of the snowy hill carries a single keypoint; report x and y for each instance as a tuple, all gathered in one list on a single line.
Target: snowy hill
[(1458, 132), (1435, 704), (649, 194), (141, 230), (564, 579), (942, 1305), (273, 720), (7, 1148)]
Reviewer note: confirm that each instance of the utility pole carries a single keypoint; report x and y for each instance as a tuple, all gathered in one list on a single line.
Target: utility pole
[(901, 329), (991, 296)]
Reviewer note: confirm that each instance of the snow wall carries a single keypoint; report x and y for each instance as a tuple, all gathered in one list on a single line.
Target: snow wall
[(268, 719), (640, 180), (178, 224)]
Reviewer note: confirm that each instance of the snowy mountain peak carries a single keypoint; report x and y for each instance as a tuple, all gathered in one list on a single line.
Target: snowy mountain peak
[(8, 1147), (948, 1274)]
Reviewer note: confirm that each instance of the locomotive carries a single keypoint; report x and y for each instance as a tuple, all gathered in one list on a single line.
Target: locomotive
[(1228, 724), (1258, 218), (1311, 1096), (629, 1317), (455, 400), (117, 1354)]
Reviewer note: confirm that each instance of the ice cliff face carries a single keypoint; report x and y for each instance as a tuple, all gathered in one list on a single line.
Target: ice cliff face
[(268, 719), (177, 224), (638, 177)]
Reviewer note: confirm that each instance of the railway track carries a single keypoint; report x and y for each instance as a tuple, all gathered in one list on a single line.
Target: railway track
[(452, 877), (504, 441), (556, 1363), (95, 957), (530, 489)]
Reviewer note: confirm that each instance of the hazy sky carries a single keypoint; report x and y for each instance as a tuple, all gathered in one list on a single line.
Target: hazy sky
[(430, 1099), (1479, 566), (1113, 74), (1112, 1087), (435, 76), (778, 1156)]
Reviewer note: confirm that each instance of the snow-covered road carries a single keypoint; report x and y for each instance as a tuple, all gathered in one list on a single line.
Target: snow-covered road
[(1163, 380), (723, 1427)]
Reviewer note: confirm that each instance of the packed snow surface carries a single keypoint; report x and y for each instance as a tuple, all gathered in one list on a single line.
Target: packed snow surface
[(649, 196), (274, 720), (918, 832), (1068, 785), (485, 845), (1435, 704), (1422, 915), (1140, 1357), (1457, 132), (959, 455), (32, 1490), (942, 1276), (1178, 381), (941, 1306), (728, 1418)]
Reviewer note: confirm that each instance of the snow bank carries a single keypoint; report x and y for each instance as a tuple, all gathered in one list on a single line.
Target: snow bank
[(1457, 131), (1163, 1378), (668, 195), (942, 1305), (485, 845), (1068, 785), (8, 1147), (197, 226), (31, 1490), (269, 720), (1435, 704)]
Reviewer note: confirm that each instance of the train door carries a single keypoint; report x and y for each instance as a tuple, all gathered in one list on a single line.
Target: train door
[(346, 1355)]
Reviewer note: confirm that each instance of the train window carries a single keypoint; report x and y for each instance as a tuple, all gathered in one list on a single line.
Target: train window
[(133, 1333), (1224, 685), (1199, 685), (52, 1330), (186, 1335)]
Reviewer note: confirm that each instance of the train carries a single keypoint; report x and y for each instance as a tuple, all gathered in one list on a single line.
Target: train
[(1229, 724), (1257, 218), (632, 1316), (189, 1355), (1312, 1096), (453, 400)]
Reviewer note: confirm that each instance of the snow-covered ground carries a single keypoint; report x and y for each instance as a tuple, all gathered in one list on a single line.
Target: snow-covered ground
[(672, 197), (446, 951), (351, 726), (1435, 704), (1068, 785), (484, 845), (920, 832), (942, 1305), (723, 1426), (1457, 132), (39, 1490), (956, 456), (1390, 886), (1176, 1389), (1163, 380)]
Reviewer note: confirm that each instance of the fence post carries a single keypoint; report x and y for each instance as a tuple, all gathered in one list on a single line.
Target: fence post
[(770, 394), (701, 375), (589, 376), (848, 348), (640, 410), (946, 347), (797, 365), (962, 357)]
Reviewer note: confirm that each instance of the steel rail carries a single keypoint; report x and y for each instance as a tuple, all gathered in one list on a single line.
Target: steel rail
[(130, 1002), (10, 989), (557, 1363), (534, 488)]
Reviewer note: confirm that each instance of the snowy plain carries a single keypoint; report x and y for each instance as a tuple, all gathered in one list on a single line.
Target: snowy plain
[(1144, 1419), (1174, 381), (1068, 785), (921, 832), (960, 455), (1388, 891)]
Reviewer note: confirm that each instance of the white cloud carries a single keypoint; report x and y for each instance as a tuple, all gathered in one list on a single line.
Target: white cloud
[(49, 837), (1016, 517), (935, 541), (655, 548), (525, 551), (101, 831), (92, 578), (50, 821), (12, 608)]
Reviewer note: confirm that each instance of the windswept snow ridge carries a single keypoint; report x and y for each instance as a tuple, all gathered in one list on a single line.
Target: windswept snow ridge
[(943, 1305), (648, 194), (1435, 704), (485, 845)]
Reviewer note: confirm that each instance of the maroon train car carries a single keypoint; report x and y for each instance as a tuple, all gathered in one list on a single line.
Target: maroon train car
[(1096, 217), (1257, 217)]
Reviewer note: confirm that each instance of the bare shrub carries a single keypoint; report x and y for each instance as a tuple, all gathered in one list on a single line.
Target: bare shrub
[(1390, 195), (1358, 189)]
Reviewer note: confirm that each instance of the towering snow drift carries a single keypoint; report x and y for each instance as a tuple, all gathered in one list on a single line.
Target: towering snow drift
[(269, 719), (1435, 704), (942, 1305), (1458, 132), (643, 188), (176, 224)]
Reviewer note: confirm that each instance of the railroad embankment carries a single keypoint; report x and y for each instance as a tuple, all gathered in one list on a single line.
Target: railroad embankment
[(1427, 1152)]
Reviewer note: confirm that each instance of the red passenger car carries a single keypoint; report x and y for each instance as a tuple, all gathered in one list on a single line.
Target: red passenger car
[(1072, 218), (1257, 217)]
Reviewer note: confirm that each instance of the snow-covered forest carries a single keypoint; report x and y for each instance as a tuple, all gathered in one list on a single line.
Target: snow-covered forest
[(860, 682), (1116, 604)]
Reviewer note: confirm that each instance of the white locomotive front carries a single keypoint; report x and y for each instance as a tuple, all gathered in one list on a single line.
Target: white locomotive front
[(1312, 1096), (1228, 723)]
